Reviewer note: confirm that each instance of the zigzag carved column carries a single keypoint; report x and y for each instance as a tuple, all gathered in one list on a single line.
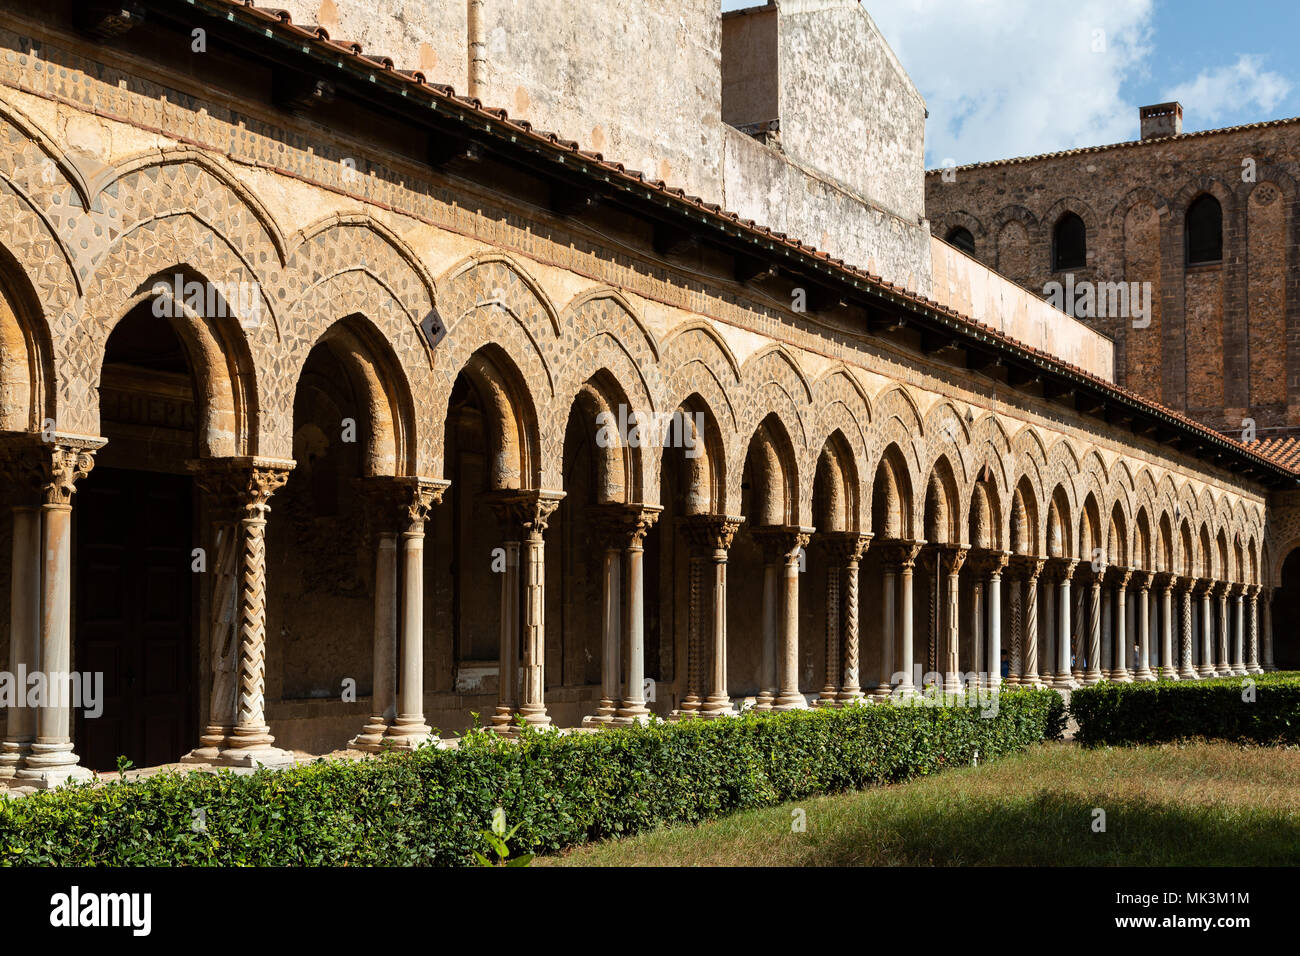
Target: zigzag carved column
[(1185, 669), (850, 548), (1252, 623), (250, 482)]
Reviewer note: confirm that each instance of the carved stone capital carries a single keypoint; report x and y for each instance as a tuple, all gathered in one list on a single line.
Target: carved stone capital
[(624, 526), (1060, 570), (951, 558), (62, 463), (1027, 567), (522, 513), (711, 533), (242, 487), (846, 546), (1119, 577), (988, 562), (781, 544), (899, 555), (419, 495)]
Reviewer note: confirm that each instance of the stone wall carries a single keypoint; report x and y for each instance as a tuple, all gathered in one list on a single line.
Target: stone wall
[(1222, 344)]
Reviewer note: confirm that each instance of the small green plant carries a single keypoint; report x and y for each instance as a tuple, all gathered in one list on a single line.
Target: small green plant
[(497, 839)]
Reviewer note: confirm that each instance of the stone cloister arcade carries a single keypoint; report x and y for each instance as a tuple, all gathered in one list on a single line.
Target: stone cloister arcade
[(371, 450)]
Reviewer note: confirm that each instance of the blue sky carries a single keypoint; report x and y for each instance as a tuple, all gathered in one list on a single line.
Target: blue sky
[(1015, 77)]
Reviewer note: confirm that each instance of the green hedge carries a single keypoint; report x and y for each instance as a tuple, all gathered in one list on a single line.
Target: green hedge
[(1148, 713), (428, 808)]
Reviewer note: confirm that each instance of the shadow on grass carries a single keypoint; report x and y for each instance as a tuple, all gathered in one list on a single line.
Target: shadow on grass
[(1051, 830)]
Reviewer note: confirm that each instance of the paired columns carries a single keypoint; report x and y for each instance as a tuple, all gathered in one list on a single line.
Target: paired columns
[(898, 562), (1023, 606), (844, 550), (523, 516), (397, 707), (782, 548), (622, 530), (710, 538)]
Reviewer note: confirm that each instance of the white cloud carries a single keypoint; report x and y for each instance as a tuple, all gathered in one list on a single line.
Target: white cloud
[(1016, 77), (1224, 91)]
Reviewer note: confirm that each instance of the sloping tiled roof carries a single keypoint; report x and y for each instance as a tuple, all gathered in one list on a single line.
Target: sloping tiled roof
[(1281, 451), (1129, 144), (415, 87)]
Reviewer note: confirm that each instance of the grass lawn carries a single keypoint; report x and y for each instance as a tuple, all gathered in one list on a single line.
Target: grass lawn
[(1203, 804)]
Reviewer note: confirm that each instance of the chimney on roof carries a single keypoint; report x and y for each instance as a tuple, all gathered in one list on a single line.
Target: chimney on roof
[(1163, 119)]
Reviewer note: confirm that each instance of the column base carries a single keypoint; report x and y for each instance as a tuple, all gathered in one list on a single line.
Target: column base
[(825, 700), (790, 700), (765, 700), (1266, 669), (716, 706), (1063, 682), (1093, 677), (255, 757), (1121, 677), (1144, 674), (49, 779), (851, 696), (372, 737), (409, 733), (633, 711), (1187, 673)]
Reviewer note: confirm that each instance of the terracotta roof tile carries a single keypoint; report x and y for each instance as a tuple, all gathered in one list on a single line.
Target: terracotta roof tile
[(1284, 451), (282, 19), (1128, 144)]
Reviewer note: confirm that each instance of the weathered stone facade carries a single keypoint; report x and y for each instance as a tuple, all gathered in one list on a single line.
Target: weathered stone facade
[(1221, 344), (403, 490)]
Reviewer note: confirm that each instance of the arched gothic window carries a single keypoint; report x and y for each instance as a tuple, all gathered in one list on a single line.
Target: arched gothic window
[(1069, 243), (1204, 230)]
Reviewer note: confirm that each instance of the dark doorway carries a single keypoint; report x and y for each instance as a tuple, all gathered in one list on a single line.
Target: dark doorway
[(1286, 610), (134, 595)]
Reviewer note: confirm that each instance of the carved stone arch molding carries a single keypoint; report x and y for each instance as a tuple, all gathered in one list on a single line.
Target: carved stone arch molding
[(167, 251), (602, 332), (841, 405), (354, 266), (774, 384), (489, 300)]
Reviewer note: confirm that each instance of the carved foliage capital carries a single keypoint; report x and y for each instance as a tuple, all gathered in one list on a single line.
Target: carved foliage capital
[(711, 533)]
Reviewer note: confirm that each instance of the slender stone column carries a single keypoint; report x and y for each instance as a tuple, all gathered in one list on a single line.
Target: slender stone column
[(50, 759), (1064, 679), (1223, 656), (408, 729), (907, 654), (1252, 625), (503, 505), (975, 656), (1168, 662), (1144, 671), (1078, 643), (713, 535), (772, 563), (1033, 567), (1121, 673), (1268, 664), (1106, 660), (611, 621), (23, 477), (995, 568), (1185, 669), (796, 539), (1237, 593), (1051, 640), (889, 565), (849, 548), (383, 699), (1093, 672), (508, 683), (1205, 668), (951, 559), (24, 633), (639, 520), (1016, 615), (694, 699)]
